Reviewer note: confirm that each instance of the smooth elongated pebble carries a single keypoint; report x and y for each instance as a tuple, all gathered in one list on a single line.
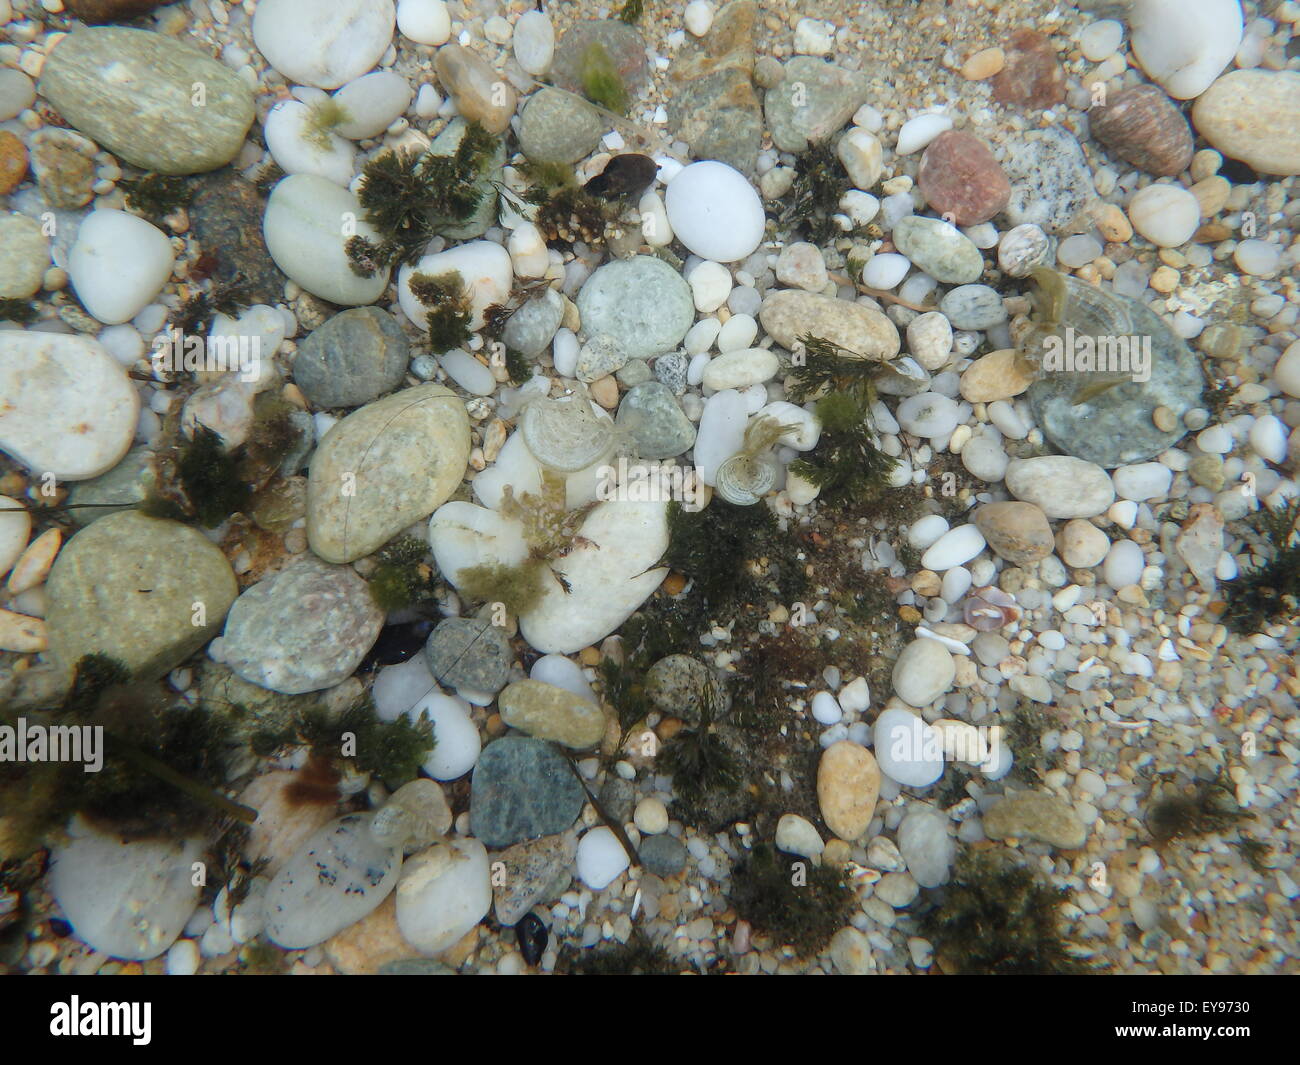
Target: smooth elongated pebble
[(1063, 486), (984, 457), (715, 212), (22, 634), (371, 104), (34, 565), (15, 527), (998, 375), (1257, 257), (928, 414), (738, 332), (1123, 564), (27, 257), (922, 672), (308, 219), (69, 409), (918, 132), (118, 264), (457, 746), (1268, 438), (848, 786), (929, 339), (534, 42), (468, 372), (862, 156), (17, 93), (1101, 40), (549, 713), (442, 893), (803, 429), (601, 858), (740, 369), (938, 248), (1286, 372), (973, 307), (424, 21), (1081, 544), (340, 875), (789, 314), (1167, 215), (383, 467), (156, 103), (925, 531), (346, 38), (1036, 815), (953, 548), (481, 94), (355, 357), (485, 271), (926, 846), (721, 432), (797, 835), (1143, 127), (1254, 116), (1184, 44), (1142, 481), (1018, 532), (129, 900)]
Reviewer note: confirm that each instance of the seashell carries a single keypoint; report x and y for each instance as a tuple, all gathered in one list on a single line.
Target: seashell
[(989, 609), (565, 434), (744, 479)]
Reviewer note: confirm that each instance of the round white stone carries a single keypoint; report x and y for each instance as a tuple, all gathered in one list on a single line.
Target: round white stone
[(651, 817), (600, 858), (715, 212), (1123, 565), (372, 103), (1286, 372), (1142, 481), (534, 42), (458, 743), (908, 750), (825, 709), (738, 332), (1268, 438), (442, 893), (929, 415), (740, 369), (925, 531), (885, 271), (298, 149), (324, 43), (485, 270), (797, 835), (698, 17), (1258, 257), (1184, 46), (1101, 40), (923, 671), (118, 264), (1167, 215), (424, 21), (562, 672), (710, 286)]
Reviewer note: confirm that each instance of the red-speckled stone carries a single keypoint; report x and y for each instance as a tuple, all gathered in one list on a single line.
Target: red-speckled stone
[(958, 174), (1143, 127), (13, 162), (1032, 76)]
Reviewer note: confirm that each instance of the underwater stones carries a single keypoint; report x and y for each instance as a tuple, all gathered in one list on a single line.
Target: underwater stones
[(69, 408), (558, 127), (346, 38), (485, 271), (788, 314), (714, 107), (998, 375), (533, 326), (1035, 815), (908, 750), (938, 248), (1254, 116), (118, 264), (129, 900), (1113, 426), (442, 893), (607, 574), (305, 219), (535, 872), (623, 44), (926, 846), (306, 628), (1166, 214), (1062, 486), (600, 858), (481, 94), (812, 102), (682, 686), (663, 855), (340, 875), (848, 785), (456, 739), (470, 654), (1051, 182), (1031, 75), (1184, 44), (923, 672), (655, 420), (145, 591), (383, 467), (353, 358), (1143, 127), (642, 303), (715, 211), (521, 789), (488, 177), (960, 176), (134, 93), (1018, 532), (546, 712), (27, 253)]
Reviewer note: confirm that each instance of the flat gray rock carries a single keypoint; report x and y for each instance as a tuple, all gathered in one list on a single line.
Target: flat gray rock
[(642, 302)]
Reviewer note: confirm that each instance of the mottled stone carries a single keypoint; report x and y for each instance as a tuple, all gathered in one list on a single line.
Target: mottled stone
[(469, 653), (521, 789), (960, 176), (1018, 532), (642, 303), (654, 418), (546, 712), (13, 162), (1254, 116), (1051, 182), (535, 872), (939, 248), (558, 127), (788, 314), (1143, 127), (1036, 815), (624, 43), (848, 785), (134, 92), (1031, 75), (481, 94), (355, 357), (226, 220), (813, 101)]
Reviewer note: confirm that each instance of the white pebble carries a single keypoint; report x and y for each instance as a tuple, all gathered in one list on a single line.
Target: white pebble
[(1167, 215), (698, 17), (424, 21), (601, 858), (826, 709), (953, 548), (885, 271), (917, 132)]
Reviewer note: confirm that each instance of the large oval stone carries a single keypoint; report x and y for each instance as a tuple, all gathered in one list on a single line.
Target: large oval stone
[(1254, 116), (789, 314), (641, 302), (383, 467), (157, 103), (145, 591), (66, 405)]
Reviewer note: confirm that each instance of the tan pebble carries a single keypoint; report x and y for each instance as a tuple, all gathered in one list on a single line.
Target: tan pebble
[(1164, 419), (1165, 279), (1132, 594), (1211, 233), (494, 725), (848, 785), (668, 728), (291, 393), (983, 64), (673, 584), (927, 583), (965, 674), (1212, 194), (909, 614), (34, 563), (1205, 163), (605, 392), (589, 656), (998, 375), (837, 852), (22, 634)]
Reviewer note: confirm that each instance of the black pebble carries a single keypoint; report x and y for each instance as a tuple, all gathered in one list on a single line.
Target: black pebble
[(397, 643), (1237, 172), (624, 176), (532, 936)]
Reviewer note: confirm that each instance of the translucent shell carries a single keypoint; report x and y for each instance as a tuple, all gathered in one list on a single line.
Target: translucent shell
[(744, 479), (565, 433), (989, 609)]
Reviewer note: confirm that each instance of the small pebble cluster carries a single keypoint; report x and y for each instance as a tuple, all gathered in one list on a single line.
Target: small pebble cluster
[(1056, 545)]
